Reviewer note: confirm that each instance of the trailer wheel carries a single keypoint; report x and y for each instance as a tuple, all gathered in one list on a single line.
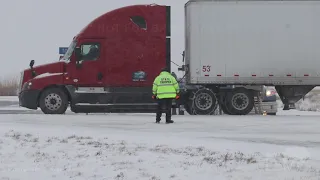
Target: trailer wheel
[(53, 101), (240, 102), (181, 112), (223, 106), (188, 108), (204, 102), (225, 109)]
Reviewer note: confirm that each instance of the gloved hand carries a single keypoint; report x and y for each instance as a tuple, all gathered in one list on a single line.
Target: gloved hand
[(177, 96), (154, 97)]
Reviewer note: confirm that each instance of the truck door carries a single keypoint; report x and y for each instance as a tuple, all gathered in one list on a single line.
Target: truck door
[(89, 71)]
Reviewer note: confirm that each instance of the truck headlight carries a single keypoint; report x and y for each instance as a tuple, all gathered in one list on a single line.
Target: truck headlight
[(270, 93), (27, 85)]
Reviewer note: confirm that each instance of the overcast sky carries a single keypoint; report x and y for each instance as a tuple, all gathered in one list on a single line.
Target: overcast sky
[(35, 29)]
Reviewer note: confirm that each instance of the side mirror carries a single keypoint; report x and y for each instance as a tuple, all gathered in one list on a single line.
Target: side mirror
[(183, 55), (31, 64), (77, 52)]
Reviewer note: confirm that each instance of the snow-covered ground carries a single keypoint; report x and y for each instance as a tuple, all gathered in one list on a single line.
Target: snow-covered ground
[(9, 98), (132, 146)]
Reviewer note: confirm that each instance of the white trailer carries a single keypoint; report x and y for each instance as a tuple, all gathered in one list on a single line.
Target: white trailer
[(252, 42)]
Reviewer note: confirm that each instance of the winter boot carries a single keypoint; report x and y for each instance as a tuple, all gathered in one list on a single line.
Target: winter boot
[(169, 121), (158, 121)]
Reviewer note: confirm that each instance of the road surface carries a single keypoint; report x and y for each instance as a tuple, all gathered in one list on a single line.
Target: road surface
[(286, 146)]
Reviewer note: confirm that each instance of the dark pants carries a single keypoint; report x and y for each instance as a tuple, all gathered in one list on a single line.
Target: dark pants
[(164, 106)]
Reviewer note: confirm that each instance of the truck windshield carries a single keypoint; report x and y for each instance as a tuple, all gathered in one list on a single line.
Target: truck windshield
[(69, 52)]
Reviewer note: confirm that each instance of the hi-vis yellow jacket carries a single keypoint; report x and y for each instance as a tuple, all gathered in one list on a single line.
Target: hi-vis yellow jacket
[(165, 86)]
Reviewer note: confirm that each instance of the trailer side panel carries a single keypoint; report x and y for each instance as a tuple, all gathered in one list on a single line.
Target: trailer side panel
[(253, 42)]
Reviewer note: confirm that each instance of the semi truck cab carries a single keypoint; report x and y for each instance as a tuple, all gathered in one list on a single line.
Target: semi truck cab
[(109, 66)]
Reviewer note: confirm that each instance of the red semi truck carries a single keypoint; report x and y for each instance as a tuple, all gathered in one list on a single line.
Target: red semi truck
[(232, 49), (109, 66)]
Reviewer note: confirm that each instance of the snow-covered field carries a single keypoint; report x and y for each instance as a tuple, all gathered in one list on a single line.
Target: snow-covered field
[(132, 146)]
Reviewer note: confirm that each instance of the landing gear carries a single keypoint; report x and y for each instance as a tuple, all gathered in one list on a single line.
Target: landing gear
[(53, 101)]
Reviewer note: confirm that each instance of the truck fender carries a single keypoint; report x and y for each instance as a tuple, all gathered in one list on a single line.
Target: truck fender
[(56, 86)]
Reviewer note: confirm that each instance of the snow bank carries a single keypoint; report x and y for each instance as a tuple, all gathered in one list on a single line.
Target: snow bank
[(310, 103), (26, 154)]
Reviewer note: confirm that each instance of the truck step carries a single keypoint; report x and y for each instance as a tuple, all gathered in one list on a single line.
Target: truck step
[(116, 108)]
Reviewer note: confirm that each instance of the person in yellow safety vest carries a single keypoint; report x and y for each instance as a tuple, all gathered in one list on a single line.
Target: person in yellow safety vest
[(165, 89)]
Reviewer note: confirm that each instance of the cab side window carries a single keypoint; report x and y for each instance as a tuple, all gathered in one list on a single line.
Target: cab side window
[(90, 51)]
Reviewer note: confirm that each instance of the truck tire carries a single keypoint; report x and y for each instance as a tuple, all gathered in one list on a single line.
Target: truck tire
[(240, 102), (223, 106), (181, 112), (224, 109), (204, 102), (188, 108), (53, 101)]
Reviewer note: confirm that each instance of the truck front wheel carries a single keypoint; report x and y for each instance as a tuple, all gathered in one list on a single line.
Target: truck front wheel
[(53, 101), (240, 102)]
